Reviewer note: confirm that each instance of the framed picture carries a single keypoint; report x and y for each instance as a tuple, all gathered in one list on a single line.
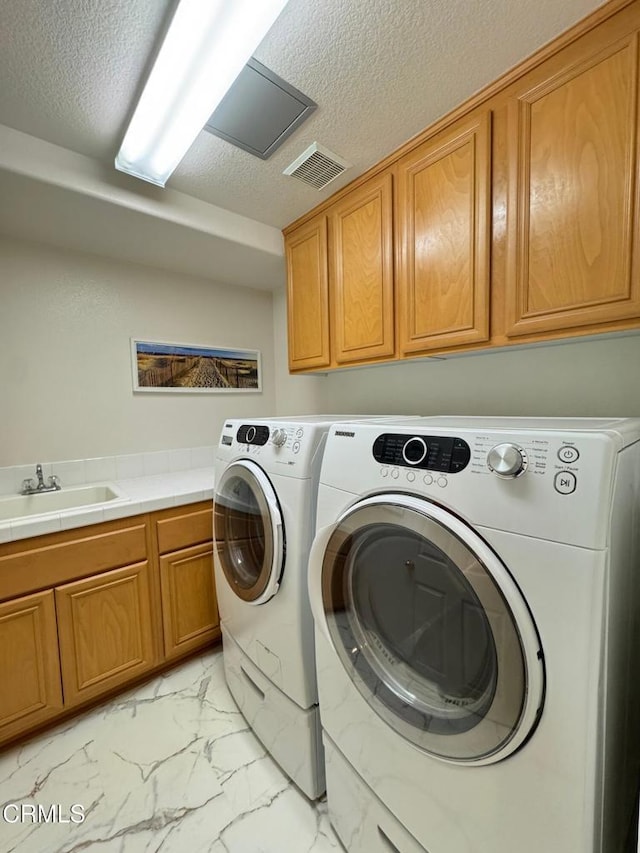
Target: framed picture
[(167, 367)]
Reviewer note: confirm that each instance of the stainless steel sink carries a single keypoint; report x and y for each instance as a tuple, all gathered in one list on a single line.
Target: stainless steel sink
[(16, 507)]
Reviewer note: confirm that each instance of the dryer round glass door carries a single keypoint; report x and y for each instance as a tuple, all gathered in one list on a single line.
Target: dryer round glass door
[(432, 629), (249, 532)]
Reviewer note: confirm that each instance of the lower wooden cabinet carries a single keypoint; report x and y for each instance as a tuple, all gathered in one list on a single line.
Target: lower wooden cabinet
[(122, 600), (105, 630), (189, 606), (30, 690)]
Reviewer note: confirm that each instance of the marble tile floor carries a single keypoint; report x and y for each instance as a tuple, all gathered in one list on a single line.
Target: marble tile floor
[(169, 767)]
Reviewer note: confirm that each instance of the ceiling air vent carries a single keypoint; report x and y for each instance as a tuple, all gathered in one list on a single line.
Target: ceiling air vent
[(317, 166)]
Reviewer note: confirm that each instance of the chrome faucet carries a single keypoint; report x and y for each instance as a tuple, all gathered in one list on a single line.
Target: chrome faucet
[(29, 486)]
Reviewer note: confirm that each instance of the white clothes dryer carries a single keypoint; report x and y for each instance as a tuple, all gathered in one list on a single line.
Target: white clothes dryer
[(474, 584), (264, 516)]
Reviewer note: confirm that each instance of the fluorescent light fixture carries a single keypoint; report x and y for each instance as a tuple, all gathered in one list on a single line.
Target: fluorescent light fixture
[(208, 44)]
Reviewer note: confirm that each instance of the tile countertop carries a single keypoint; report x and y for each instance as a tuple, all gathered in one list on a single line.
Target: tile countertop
[(139, 495)]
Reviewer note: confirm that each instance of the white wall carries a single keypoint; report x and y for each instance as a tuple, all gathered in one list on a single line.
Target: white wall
[(587, 378), (65, 323)]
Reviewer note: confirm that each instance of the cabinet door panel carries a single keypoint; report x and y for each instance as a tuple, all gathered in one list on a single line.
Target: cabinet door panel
[(573, 194), (189, 605), (308, 295), (106, 631), (191, 527), (443, 228), (361, 241), (30, 689)]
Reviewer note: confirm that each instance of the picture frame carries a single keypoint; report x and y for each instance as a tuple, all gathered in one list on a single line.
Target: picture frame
[(173, 368)]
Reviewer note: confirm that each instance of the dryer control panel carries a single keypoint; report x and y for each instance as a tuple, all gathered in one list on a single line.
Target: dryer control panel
[(430, 452), (250, 434)]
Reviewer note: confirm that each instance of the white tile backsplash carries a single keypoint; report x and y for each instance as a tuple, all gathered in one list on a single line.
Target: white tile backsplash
[(76, 472), (202, 457), (156, 463), (179, 460), (7, 481), (100, 469), (129, 467), (71, 473)]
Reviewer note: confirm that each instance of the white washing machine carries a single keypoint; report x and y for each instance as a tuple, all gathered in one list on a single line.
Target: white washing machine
[(264, 516), (474, 585)]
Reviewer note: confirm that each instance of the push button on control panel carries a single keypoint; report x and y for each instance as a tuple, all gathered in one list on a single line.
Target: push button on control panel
[(565, 482), (568, 454)]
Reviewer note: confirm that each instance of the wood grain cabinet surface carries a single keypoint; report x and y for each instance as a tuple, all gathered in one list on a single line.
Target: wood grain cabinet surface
[(361, 273), (30, 689), (308, 295), (189, 605), (444, 195), (574, 190), (106, 631), (516, 217), (109, 605)]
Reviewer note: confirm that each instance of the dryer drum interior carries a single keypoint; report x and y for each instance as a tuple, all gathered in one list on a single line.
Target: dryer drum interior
[(248, 531), (420, 612)]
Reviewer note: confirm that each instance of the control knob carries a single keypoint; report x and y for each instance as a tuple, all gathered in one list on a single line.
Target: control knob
[(279, 437), (507, 460)]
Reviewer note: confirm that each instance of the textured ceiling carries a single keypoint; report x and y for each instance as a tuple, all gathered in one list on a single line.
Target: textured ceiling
[(379, 70)]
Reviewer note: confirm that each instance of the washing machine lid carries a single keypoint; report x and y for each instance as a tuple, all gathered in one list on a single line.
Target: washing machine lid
[(431, 627), (249, 532)]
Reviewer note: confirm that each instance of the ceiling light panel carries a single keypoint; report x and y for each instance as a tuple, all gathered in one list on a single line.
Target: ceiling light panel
[(207, 45)]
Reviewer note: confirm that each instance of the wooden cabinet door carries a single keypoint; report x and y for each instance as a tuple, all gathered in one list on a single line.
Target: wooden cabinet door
[(189, 605), (308, 295), (30, 689), (361, 272), (106, 631), (573, 192), (444, 238)]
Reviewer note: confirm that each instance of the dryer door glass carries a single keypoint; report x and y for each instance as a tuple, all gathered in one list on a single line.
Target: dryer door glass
[(418, 610), (248, 531)]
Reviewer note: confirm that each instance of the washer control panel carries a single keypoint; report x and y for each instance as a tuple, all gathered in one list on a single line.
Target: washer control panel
[(430, 452)]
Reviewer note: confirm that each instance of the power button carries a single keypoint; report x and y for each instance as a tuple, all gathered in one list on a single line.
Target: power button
[(568, 454)]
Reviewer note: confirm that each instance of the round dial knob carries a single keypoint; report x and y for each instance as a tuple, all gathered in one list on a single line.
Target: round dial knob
[(278, 437), (507, 460)]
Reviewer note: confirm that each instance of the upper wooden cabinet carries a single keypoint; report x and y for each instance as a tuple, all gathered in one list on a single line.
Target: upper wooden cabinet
[(308, 296), (340, 299), (361, 272), (444, 194), (573, 191), (515, 217)]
